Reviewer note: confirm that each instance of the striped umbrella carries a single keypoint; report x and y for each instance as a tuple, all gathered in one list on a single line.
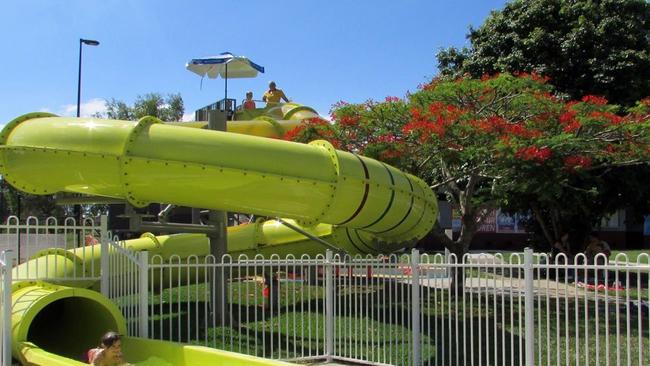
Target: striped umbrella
[(225, 65)]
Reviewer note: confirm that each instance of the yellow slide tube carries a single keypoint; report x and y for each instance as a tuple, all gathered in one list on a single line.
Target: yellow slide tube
[(358, 204), (148, 161)]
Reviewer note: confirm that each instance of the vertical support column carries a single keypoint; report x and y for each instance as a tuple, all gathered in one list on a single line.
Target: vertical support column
[(415, 305), (529, 307), (6, 308), (143, 286), (218, 238), (219, 248), (103, 259), (329, 306)]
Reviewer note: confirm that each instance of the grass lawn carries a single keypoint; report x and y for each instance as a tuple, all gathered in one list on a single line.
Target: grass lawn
[(632, 255), (373, 323)]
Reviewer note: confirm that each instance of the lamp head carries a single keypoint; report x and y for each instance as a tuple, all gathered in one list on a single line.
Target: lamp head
[(89, 42)]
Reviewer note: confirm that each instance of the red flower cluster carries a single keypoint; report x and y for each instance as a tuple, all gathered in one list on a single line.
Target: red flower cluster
[(496, 124), (533, 75), (607, 116), (574, 161), (520, 130), (569, 121), (311, 127), (293, 133), (424, 128), (534, 153), (390, 99), (348, 121), (593, 99), (486, 77), (434, 121)]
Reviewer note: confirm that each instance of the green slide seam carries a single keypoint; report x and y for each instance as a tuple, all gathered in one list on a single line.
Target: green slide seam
[(297, 109), (331, 151), (363, 241), (365, 191), (424, 210), (126, 158), (390, 202), (347, 231), (407, 212)]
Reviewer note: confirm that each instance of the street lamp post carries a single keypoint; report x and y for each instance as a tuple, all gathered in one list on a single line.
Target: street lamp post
[(89, 42)]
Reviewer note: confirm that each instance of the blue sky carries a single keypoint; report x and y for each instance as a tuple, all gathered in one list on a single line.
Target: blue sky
[(317, 52)]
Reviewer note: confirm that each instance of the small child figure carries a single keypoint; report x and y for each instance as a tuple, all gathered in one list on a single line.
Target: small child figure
[(249, 103), (109, 352)]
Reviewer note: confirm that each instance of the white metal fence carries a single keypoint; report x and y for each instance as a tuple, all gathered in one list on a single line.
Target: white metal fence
[(6, 264), (415, 309), (65, 250)]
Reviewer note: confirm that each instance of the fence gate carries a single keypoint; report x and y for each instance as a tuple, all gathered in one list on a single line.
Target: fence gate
[(125, 282)]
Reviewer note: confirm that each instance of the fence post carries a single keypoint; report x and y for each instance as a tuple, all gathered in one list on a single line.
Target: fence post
[(529, 303), (6, 308), (415, 305), (103, 260), (329, 306), (447, 269), (143, 318)]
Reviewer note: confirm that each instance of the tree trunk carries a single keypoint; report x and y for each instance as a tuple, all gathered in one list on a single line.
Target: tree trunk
[(460, 247)]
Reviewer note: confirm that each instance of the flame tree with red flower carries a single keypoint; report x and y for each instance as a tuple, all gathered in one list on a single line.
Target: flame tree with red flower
[(500, 141)]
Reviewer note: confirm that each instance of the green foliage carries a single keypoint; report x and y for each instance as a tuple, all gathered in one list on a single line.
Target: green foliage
[(585, 47), (167, 109)]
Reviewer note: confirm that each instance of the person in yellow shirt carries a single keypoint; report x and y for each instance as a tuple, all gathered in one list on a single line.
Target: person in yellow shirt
[(274, 95)]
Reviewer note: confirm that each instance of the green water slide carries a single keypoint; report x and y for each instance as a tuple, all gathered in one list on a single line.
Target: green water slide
[(358, 204)]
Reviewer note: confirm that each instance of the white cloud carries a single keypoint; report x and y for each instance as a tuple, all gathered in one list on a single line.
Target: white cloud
[(86, 109), (188, 117)]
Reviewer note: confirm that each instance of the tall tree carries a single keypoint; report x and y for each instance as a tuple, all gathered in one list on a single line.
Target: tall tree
[(585, 47), (168, 108)]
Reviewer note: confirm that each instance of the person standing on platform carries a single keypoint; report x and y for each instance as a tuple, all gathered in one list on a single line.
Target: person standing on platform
[(274, 95)]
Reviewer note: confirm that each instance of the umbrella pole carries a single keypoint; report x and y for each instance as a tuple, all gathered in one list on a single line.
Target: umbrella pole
[(226, 92)]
